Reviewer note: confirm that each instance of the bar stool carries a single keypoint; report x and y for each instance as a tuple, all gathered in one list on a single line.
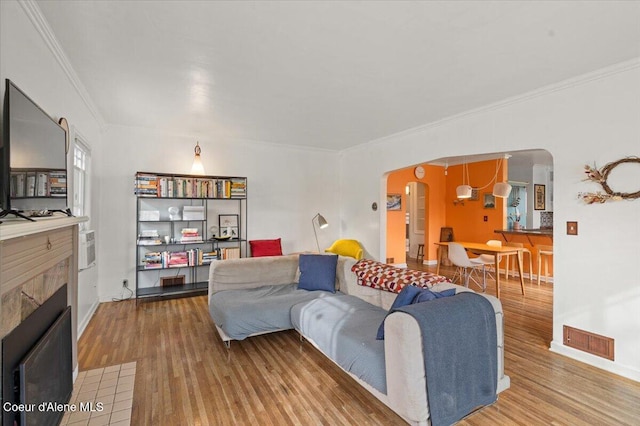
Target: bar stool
[(420, 254), (509, 259), (545, 251)]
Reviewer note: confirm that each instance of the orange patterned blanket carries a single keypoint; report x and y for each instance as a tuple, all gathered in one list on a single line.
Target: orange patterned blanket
[(381, 276)]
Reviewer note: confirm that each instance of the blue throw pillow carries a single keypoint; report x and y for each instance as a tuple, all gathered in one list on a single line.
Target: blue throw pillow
[(427, 295), (317, 272), (405, 297), (412, 294)]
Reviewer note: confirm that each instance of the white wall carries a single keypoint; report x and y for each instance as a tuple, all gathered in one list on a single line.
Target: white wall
[(27, 60), (286, 187), (594, 118)]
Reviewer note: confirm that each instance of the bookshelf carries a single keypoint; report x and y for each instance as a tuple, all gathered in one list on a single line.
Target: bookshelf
[(183, 222)]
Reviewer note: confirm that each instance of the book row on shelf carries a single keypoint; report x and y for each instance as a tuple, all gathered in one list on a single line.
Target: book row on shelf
[(182, 259), (151, 185), (151, 237), (178, 259), (52, 183)]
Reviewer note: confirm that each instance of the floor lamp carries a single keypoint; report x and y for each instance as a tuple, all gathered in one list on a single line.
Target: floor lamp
[(322, 223)]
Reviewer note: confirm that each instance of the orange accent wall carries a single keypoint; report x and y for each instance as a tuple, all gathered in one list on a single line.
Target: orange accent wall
[(467, 220), (435, 192)]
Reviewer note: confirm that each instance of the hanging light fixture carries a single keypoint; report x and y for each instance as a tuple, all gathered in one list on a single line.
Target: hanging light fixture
[(464, 190), (501, 189), (197, 168)]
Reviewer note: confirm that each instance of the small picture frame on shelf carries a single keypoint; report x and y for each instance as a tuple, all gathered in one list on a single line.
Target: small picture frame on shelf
[(228, 225)]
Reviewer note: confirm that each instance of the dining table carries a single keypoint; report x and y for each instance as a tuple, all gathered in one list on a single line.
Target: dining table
[(495, 251)]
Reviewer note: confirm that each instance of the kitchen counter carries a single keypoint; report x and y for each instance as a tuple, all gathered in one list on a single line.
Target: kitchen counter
[(542, 232)]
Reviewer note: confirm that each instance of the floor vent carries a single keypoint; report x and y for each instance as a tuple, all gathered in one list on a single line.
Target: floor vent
[(169, 281), (390, 259), (588, 342)]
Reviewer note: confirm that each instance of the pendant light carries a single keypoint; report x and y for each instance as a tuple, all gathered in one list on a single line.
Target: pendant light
[(197, 168), (501, 189), (464, 190)]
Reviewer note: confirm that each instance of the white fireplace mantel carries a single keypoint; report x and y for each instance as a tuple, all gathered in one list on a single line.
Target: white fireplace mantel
[(14, 228)]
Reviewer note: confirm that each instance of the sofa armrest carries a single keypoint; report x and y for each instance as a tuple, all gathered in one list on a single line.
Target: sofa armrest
[(406, 378)]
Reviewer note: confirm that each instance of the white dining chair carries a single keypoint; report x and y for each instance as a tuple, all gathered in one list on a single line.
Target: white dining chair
[(488, 260), (465, 267)]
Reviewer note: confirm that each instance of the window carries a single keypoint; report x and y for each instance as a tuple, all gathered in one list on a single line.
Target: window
[(81, 177)]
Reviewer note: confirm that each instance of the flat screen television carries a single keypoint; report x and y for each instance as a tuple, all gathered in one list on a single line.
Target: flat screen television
[(33, 159)]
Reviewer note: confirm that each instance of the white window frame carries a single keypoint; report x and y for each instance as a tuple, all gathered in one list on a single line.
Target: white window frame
[(80, 143)]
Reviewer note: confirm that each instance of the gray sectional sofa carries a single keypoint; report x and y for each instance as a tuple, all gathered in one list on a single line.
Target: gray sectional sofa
[(252, 296)]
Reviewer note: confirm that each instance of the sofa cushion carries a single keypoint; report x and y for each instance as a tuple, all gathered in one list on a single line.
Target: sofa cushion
[(261, 248), (343, 327), (242, 313), (318, 272)]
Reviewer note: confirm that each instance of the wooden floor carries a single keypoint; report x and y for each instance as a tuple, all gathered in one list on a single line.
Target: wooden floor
[(186, 376)]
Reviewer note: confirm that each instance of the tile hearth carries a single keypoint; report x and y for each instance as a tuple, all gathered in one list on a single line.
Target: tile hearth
[(110, 389)]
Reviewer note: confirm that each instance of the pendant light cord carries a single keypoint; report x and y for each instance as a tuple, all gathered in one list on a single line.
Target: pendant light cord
[(495, 177)]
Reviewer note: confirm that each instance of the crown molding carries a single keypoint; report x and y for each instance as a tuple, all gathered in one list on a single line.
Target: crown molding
[(32, 10), (562, 85)]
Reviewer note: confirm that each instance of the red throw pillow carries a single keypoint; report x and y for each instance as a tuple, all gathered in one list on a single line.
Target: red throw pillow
[(261, 248)]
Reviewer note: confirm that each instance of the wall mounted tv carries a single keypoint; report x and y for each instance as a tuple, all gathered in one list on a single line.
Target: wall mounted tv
[(33, 159)]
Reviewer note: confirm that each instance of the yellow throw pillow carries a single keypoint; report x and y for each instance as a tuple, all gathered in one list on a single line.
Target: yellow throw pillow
[(349, 248)]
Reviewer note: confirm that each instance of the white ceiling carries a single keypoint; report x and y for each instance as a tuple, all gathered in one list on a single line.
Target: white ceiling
[(327, 74)]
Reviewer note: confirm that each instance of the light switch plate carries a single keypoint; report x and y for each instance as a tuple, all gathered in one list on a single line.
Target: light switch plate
[(572, 228)]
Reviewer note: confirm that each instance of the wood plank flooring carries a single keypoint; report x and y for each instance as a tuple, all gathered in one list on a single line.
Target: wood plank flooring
[(186, 376)]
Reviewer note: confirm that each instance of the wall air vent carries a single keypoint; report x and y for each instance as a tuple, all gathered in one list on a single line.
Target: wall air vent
[(588, 342)]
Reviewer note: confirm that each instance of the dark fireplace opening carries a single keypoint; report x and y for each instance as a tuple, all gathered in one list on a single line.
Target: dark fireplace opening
[(37, 371)]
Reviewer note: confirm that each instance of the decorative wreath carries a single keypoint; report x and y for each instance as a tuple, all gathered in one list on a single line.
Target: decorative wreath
[(600, 176)]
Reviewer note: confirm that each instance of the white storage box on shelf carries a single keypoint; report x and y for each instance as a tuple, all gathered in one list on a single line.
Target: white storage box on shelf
[(149, 215), (193, 213)]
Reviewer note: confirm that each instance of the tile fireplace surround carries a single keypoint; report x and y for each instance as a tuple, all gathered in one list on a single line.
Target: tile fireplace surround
[(36, 259)]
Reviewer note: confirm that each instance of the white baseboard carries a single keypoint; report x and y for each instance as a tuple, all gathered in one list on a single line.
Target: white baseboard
[(85, 321), (604, 364)]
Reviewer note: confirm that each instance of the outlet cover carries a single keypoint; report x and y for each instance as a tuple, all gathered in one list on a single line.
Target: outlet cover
[(572, 228)]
